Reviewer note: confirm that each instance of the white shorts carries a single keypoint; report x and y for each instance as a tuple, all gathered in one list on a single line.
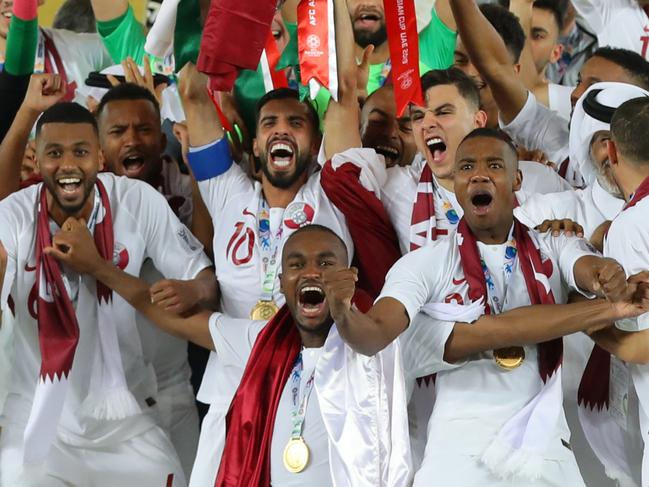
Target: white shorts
[(145, 460)]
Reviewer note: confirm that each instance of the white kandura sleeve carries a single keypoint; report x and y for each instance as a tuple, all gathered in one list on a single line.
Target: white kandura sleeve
[(536, 127), (234, 338)]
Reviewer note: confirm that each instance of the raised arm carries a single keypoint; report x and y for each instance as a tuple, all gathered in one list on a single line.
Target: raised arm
[(490, 56), (371, 332), (341, 121), (445, 14), (203, 122), (523, 9), (44, 90), (74, 246)]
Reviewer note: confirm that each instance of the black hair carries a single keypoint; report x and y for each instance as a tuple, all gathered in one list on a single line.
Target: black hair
[(314, 227), (452, 76), (555, 8), (66, 112), (128, 92), (629, 129), (633, 63), (492, 134), (287, 94), (508, 26)]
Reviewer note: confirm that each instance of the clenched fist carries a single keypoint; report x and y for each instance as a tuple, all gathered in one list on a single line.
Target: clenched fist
[(611, 282), (339, 286)]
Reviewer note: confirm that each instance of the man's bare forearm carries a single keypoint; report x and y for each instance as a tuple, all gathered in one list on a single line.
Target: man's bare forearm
[(490, 56), (341, 121), (12, 151), (136, 292), (526, 325), (632, 347)]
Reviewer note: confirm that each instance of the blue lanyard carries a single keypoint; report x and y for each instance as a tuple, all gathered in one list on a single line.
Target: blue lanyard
[(498, 302)]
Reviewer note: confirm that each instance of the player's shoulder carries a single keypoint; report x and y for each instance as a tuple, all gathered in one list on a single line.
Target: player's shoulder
[(435, 254), (632, 220), (22, 204)]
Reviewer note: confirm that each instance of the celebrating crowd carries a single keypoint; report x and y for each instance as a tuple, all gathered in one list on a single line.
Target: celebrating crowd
[(350, 243)]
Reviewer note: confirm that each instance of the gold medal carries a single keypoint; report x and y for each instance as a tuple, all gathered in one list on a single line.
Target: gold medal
[(263, 310), (296, 455), (509, 358)]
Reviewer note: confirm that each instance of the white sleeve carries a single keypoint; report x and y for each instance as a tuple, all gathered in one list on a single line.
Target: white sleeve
[(536, 127), (8, 238), (422, 346), (234, 338), (539, 178), (217, 191), (567, 251), (373, 171), (407, 283), (554, 206), (175, 252), (628, 243), (598, 13)]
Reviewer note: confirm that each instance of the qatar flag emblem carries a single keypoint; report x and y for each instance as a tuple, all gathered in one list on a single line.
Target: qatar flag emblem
[(120, 256), (298, 215)]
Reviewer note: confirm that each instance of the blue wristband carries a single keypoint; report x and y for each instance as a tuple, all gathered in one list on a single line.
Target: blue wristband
[(212, 161)]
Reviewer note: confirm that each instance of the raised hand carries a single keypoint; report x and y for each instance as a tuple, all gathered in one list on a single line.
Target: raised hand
[(74, 246), (339, 287), (132, 74), (44, 90), (192, 84)]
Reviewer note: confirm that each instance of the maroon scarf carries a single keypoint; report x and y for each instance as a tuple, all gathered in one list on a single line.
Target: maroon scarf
[(424, 207), (234, 37), (58, 330), (375, 241), (529, 256)]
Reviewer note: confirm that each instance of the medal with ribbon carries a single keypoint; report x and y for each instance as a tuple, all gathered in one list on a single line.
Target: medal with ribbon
[(511, 357), (296, 452), (269, 245)]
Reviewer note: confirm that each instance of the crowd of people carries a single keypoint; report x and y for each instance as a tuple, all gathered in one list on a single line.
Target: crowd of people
[(216, 275)]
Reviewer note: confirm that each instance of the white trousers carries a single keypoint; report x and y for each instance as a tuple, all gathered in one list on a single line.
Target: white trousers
[(145, 460)]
